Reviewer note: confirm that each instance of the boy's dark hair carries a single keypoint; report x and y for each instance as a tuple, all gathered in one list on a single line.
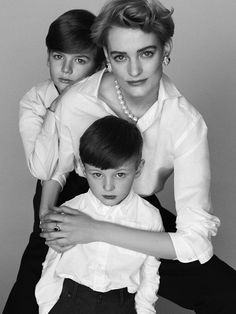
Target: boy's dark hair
[(109, 142), (70, 33)]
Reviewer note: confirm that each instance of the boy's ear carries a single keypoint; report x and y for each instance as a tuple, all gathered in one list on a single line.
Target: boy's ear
[(82, 167), (48, 55), (140, 168)]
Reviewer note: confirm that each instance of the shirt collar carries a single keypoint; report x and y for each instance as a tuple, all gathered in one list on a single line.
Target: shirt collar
[(167, 90)]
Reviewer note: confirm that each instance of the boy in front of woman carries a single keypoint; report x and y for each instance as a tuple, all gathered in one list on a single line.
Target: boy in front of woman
[(99, 278)]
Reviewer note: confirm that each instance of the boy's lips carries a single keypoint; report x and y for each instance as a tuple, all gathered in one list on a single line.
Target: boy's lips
[(109, 197), (65, 81)]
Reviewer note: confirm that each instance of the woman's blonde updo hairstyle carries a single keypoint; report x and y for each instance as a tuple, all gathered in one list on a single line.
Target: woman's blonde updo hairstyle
[(148, 15)]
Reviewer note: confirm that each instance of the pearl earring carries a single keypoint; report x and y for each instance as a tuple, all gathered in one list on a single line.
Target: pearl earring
[(166, 60), (108, 66)]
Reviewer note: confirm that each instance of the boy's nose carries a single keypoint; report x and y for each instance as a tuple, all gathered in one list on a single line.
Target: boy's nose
[(108, 184), (67, 68)]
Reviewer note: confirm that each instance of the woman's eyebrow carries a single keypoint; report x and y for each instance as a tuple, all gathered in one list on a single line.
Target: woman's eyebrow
[(139, 50)]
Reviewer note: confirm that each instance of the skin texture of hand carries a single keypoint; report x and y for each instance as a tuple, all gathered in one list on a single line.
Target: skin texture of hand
[(75, 227)]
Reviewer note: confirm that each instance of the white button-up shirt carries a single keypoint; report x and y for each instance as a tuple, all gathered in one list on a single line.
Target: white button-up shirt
[(38, 129), (101, 266), (175, 141)]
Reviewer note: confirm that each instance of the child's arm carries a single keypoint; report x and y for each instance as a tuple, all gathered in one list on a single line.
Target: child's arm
[(146, 295), (38, 132)]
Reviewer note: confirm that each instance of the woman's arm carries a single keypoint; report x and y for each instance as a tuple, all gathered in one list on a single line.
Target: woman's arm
[(50, 192), (77, 227), (195, 223)]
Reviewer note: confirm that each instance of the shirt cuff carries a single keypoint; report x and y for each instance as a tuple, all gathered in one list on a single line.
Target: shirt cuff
[(184, 253), (60, 178)]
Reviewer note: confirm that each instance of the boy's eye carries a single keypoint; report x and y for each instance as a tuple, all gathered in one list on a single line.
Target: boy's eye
[(121, 174), (119, 58), (57, 57), (96, 174), (80, 61)]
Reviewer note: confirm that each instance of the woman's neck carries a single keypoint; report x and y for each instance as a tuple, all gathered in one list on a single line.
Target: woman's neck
[(136, 105)]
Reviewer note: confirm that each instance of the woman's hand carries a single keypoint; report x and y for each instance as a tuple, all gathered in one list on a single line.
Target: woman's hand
[(65, 227)]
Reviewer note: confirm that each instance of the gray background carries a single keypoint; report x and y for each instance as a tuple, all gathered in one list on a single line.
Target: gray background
[(203, 68)]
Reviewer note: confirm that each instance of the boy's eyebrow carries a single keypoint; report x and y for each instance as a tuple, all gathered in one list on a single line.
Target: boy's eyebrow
[(139, 50), (82, 56), (79, 54)]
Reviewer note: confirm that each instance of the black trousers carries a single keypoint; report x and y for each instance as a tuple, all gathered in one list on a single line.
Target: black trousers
[(208, 288), (79, 299)]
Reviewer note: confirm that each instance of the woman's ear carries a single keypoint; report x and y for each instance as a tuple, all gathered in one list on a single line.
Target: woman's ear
[(105, 52), (140, 168), (108, 63), (167, 48)]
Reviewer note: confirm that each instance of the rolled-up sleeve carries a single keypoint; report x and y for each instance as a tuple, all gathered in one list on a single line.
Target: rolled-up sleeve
[(195, 222), (39, 135), (146, 295)]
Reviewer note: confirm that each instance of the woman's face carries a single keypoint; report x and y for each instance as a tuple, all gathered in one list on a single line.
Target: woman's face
[(136, 59), (66, 68)]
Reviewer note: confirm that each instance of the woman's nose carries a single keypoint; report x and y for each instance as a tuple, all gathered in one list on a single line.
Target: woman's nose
[(134, 67)]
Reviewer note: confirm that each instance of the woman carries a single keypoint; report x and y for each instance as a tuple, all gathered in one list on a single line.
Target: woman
[(71, 56), (136, 37)]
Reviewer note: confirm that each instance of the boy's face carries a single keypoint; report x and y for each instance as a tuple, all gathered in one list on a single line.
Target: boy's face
[(66, 68), (111, 186)]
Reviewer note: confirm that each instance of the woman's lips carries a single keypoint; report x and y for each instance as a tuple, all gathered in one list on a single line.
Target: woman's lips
[(136, 83)]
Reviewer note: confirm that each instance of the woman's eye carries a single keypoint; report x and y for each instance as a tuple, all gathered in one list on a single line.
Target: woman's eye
[(147, 54)]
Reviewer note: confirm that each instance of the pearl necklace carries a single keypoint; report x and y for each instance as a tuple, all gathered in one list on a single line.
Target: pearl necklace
[(123, 104)]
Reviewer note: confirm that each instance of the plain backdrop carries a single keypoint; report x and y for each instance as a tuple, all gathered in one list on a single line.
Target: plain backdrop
[(204, 69)]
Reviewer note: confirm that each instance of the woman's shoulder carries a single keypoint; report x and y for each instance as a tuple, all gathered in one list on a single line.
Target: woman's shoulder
[(176, 110), (87, 86), (180, 116), (80, 101), (176, 106)]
